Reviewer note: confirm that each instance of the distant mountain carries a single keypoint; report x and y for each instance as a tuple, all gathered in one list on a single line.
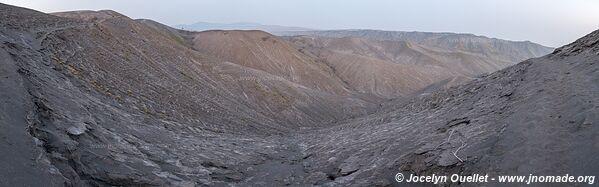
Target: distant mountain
[(204, 26), (499, 49), (95, 98), (538, 116), (395, 63)]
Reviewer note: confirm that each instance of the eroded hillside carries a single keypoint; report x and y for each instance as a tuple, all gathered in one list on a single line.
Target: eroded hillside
[(392, 64), (539, 116), (94, 98), (114, 101)]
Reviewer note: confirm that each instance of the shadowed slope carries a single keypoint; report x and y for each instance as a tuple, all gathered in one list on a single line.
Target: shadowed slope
[(539, 116), (98, 99), (114, 101)]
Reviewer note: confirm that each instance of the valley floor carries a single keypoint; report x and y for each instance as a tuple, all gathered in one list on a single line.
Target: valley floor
[(99, 99)]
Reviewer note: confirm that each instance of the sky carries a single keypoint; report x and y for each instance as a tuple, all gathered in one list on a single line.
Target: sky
[(549, 22)]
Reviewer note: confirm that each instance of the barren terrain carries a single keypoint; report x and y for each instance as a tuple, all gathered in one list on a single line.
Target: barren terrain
[(94, 98)]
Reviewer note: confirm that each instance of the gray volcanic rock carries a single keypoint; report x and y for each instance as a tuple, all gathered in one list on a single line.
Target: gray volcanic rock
[(23, 157), (113, 101), (539, 116), (98, 99)]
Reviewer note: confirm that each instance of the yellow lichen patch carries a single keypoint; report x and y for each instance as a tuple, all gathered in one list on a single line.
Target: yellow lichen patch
[(72, 70)]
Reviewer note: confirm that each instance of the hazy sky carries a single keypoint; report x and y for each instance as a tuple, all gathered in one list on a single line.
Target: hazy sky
[(548, 22)]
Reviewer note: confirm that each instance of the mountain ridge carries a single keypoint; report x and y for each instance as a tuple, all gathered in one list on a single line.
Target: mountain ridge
[(405, 67), (442, 39), (528, 118), (205, 26), (94, 99)]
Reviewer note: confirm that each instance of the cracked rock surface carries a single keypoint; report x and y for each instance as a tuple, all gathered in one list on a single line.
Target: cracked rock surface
[(104, 100)]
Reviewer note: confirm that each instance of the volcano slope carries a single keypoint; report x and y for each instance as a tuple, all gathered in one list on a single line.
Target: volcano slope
[(539, 116), (98, 99)]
